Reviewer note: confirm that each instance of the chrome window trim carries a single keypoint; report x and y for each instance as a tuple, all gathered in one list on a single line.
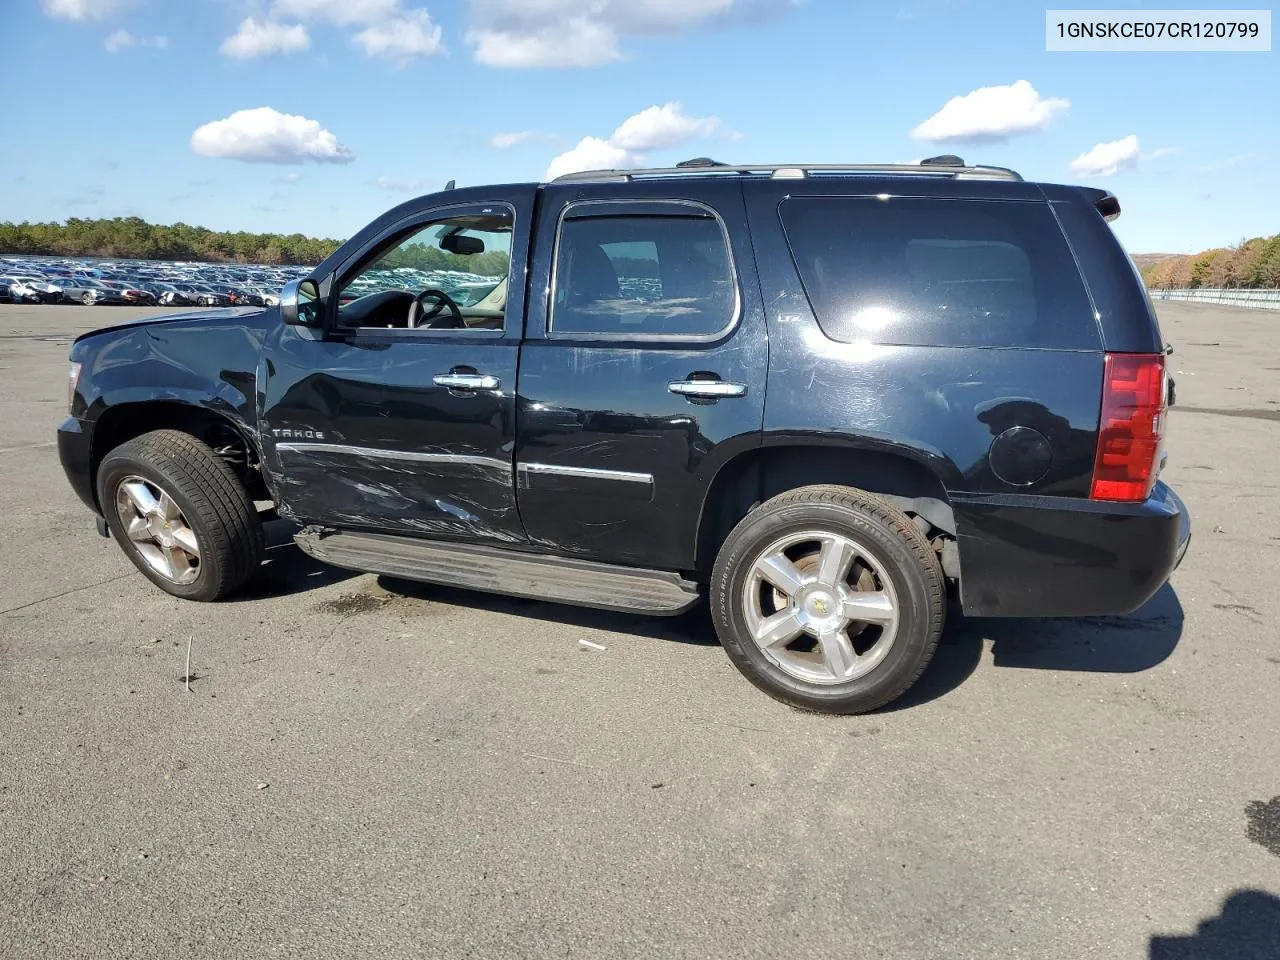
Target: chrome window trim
[(734, 318), (471, 459), (592, 473)]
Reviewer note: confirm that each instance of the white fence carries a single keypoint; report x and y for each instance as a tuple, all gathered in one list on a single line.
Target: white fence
[(1257, 299)]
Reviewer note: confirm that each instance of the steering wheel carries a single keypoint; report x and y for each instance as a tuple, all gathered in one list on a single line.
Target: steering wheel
[(429, 314)]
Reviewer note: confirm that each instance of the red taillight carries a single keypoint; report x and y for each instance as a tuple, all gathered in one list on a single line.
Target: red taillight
[(1129, 432)]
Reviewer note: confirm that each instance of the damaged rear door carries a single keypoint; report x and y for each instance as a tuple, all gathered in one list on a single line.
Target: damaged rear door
[(399, 415)]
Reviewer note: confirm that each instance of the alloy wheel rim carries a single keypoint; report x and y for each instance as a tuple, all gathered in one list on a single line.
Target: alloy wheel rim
[(152, 520), (821, 606)]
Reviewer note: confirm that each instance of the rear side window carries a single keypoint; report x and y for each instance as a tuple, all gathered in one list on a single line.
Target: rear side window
[(924, 271), (640, 275)]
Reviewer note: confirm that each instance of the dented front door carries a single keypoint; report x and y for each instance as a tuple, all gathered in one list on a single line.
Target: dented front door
[(360, 436), (399, 430)]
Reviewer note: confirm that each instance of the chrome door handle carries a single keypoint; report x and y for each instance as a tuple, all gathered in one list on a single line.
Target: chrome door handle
[(466, 381), (707, 389)]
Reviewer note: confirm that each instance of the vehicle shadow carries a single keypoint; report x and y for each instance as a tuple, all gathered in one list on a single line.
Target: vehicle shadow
[(1113, 644), (693, 626), (285, 569), (1248, 928)]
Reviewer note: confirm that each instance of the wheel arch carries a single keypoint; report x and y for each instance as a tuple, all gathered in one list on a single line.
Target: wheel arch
[(905, 477), (123, 422)]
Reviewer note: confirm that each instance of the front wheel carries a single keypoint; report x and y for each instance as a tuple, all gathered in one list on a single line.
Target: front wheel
[(828, 598), (87, 300), (180, 514)]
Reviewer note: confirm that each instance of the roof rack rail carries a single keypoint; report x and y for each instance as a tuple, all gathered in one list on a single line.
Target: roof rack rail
[(944, 166)]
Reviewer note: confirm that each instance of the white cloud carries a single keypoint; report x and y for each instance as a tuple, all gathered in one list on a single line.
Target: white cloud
[(397, 185), (654, 128), (587, 33), (338, 12), (657, 128), (389, 30), (401, 38), (81, 9), (1107, 159), (504, 141), (122, 39), (991, 114), (591, 153), (573, 43), (265, 135), (260, 38), (289, 178)]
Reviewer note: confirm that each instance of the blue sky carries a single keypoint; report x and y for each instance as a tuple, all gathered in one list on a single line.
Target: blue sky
[(154, 108)]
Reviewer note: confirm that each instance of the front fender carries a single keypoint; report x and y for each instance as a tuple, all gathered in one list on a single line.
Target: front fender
[(209, 363)]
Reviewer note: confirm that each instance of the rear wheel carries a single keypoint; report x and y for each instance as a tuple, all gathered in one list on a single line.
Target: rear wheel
[(829, 598), (180, 514), (87, 299)]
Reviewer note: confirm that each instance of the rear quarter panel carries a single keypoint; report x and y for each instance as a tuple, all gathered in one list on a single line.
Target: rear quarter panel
[(942, 406), (938, 404)]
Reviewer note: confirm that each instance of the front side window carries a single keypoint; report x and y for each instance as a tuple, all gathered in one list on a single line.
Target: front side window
[(450, 274), (642, 276)]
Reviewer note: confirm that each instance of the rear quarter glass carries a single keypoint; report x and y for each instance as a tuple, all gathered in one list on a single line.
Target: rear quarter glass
[(926, 271), (1126, 315)]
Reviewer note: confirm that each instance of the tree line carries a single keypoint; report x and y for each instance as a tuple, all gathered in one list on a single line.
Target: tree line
[(135, 239), (1250, 263), (424, 256)]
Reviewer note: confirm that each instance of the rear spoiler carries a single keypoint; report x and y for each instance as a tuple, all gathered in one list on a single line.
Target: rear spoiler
[(1103, 201)]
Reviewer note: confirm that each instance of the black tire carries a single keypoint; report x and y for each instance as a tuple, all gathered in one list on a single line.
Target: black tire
[(213, 503), (891, 540), (88, 300)]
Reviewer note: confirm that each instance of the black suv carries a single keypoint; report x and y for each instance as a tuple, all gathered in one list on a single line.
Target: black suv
[(823, 396)]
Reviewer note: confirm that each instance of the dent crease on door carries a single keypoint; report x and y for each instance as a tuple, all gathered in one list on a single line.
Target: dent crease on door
[(399, 482)]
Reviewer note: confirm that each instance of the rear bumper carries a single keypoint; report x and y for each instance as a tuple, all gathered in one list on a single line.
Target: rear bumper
[(1025, 556), (73, 451)]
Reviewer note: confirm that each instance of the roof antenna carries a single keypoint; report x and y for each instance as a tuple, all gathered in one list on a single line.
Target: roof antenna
[(451, 184)]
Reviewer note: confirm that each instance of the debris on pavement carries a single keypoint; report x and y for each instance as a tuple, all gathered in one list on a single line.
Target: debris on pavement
[(588, 645)]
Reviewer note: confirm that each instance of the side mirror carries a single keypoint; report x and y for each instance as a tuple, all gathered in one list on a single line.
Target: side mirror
[(300, 303)]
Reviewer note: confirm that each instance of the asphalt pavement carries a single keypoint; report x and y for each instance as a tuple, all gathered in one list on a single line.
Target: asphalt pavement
[(369, 768)]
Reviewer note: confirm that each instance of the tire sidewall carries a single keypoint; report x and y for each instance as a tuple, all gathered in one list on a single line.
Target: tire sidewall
[(919, 616), (114, 470)]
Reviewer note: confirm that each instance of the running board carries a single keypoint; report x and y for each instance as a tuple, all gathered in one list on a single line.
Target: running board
[(472, 567)]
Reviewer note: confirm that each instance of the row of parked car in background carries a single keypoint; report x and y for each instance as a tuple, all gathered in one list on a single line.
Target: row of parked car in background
[(141, 282)]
